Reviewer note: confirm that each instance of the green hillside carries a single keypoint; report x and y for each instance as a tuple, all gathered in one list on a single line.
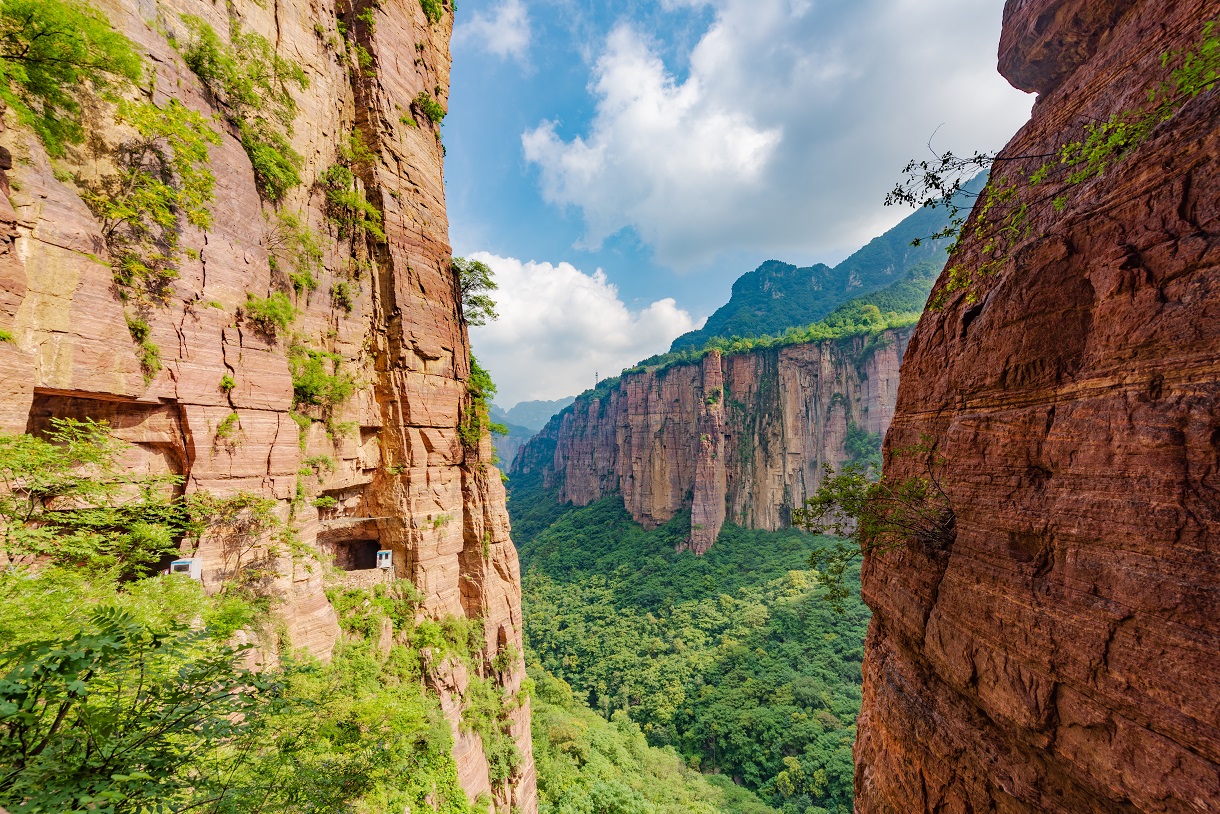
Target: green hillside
[(777, 296)]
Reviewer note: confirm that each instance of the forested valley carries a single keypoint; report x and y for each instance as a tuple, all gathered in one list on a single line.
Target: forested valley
[(732, 662)]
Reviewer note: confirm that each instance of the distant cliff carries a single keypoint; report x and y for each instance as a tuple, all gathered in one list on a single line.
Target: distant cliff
[(740, 437), (1061, 653)]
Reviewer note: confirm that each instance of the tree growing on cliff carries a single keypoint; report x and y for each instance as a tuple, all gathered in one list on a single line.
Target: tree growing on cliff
[(51, 51), (1023, 187), (875, 516), (122, 692), (474, 280)]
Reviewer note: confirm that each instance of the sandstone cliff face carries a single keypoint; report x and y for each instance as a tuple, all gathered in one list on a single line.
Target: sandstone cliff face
[(740, 438), (398, 460), (1061, 653)]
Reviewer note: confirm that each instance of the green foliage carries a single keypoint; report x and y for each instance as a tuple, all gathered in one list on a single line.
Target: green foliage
[(432, 109), (863, 449), (875, 516), (148, 354), (293, 244), (319, 462), (730, 658), (1001, 220), (475, 279), (433, 10), (64, 497), (277, 167), (316, 377), (246, 75), (777, 296), (341, 296), (476, 417), (109, 701), (364, 60), (902, 301), (6, 336), (253, 84), (272, 314), (348, 207), (325, 502), (161, 175), (111, 717), (586, 763), (53, 53), (1194, 70), (227, 383), (228, 426)]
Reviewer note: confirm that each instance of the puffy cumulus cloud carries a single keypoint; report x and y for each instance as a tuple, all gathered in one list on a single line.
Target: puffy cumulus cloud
[(505, 32), (656, 143), (559, 326), (793, 120)]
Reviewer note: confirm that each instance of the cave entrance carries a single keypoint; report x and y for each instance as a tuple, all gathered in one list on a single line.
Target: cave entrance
[(355, 555)]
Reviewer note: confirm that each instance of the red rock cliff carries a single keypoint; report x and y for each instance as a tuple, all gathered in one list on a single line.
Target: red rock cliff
[(398, 458), (1062, 652), (740, 438)]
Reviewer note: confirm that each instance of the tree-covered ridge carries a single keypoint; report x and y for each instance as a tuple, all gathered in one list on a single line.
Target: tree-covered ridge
[(732, 658), (777, 296), (898, 305)]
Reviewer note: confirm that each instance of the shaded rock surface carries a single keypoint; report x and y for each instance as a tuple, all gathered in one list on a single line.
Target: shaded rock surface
[(1062, 653), (402, 479), (741, 438)]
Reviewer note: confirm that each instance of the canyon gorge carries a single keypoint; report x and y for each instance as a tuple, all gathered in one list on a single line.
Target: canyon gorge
[(239, 259)]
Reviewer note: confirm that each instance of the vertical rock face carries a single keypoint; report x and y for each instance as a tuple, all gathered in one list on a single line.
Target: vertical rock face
[(740, 438), (401, 480), (1062, 652)]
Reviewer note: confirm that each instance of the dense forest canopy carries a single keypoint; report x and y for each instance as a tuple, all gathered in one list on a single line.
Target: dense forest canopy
[(732, 658)]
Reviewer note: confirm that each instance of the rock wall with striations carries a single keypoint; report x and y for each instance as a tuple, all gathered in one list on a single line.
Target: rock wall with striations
[(741, 438), (1061, 653), (386, 311)]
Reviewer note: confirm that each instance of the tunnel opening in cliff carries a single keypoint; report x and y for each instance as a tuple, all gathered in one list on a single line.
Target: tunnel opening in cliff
[(355, 555)]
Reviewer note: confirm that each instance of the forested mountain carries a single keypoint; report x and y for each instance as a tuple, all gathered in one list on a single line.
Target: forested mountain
[(777, 296)]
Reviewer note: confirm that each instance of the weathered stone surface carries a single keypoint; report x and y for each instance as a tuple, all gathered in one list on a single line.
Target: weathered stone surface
[(1062, 654), (402, 479), (740, 438)]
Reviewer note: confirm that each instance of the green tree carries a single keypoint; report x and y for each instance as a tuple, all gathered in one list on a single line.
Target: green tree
[(51, 53), (66, 498), (874, 516), (475, 279), (110, 718), (119, 692)]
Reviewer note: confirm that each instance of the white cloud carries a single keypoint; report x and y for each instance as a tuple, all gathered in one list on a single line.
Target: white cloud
[(559, 326), (794, 119), (505, 32)]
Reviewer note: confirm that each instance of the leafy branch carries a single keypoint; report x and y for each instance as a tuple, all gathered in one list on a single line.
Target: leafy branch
[(873, 517)]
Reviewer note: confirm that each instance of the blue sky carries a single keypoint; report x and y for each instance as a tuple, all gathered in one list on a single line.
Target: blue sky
[(620, 164)]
